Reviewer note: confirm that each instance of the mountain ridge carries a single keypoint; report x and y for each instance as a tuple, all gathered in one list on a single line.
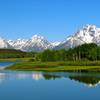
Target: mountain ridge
[(87, 34)]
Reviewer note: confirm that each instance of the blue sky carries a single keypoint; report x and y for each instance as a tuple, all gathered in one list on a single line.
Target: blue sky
[(54, 19)]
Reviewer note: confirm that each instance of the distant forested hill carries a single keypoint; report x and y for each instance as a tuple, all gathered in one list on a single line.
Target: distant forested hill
[(12, 53)]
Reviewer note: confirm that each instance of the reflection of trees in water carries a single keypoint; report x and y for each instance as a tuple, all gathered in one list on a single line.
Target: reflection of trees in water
[(49, 76), (89, 80)]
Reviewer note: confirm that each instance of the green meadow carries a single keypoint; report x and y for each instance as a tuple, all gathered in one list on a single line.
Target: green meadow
[(57, 66)]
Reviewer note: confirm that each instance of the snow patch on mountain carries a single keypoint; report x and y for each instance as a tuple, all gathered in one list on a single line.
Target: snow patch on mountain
[(36, 43), (17, 44), (55, 43), (4, 43), (88, 34)]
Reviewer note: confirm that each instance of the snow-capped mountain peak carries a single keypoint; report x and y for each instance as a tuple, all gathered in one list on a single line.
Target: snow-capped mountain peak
[(55, 43), (88, 34), (17, 44), (4, 43), (37, 43), (37, 37), (87, 30)]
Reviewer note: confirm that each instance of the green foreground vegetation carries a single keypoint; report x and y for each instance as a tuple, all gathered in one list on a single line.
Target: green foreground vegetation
[(57, 66), (83, 58)]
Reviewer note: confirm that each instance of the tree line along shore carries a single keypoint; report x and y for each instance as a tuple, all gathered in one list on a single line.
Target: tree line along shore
[(85, 57)]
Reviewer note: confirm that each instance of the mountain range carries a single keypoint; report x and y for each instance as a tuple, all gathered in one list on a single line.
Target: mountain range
[(87, 34)]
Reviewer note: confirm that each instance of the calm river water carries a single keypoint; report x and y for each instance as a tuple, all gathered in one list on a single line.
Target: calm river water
[(21, 85)]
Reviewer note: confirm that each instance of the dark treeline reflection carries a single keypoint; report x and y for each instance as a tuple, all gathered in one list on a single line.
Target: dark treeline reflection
[(89, 80), (49, 77), (85, 78)]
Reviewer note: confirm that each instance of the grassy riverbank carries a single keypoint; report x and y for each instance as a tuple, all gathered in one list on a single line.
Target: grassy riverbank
[(15, 59), (79, 66)]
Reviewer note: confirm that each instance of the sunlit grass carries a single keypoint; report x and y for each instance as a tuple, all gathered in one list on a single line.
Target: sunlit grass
[(80, 66)]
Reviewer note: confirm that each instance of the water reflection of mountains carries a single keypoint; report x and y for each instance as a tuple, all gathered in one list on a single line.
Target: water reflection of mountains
[(89, 79)]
